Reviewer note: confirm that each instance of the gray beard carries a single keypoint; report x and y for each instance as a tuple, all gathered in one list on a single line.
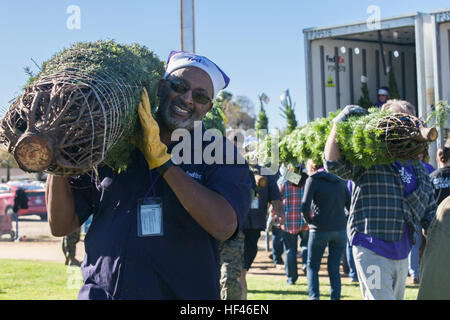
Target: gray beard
[(173, 123)]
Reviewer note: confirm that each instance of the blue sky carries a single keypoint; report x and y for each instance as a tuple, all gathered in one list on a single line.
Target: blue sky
[(258, 43)]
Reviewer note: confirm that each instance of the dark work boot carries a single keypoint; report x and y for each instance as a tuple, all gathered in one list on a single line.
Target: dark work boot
[(74, 262)]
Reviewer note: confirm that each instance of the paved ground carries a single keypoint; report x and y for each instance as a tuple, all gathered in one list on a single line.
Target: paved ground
[(44, 250), (33, 228), (40, 244)]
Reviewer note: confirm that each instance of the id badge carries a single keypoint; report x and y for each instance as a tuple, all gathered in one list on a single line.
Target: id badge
[(255, 203), (293, 177), (149, 217)]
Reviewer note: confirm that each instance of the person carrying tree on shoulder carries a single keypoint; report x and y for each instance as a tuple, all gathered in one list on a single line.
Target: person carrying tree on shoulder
[(390, 203), (156, 226)]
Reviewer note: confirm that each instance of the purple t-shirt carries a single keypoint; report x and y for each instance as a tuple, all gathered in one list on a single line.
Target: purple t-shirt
[(428, 166), (395, 250)]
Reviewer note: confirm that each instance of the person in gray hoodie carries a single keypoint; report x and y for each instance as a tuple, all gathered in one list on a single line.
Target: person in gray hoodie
[(323, 207)]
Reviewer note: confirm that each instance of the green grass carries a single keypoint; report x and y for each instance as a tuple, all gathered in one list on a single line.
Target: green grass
[(36, 280), (262, 287)]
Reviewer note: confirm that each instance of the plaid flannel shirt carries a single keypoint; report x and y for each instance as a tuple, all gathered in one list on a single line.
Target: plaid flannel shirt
[(379, 207), (292, 200)]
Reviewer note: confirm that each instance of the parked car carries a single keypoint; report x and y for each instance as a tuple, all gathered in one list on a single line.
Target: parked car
[(36, 198)]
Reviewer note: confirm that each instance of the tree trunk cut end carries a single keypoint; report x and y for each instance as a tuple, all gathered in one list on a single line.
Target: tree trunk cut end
[(430, 134), (33, 153)]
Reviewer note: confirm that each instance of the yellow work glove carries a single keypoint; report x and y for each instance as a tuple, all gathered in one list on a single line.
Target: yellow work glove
[(147, 139)]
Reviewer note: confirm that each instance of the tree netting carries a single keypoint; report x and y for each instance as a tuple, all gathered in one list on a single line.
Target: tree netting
[(379, 137), (383, 138), (81, 110)]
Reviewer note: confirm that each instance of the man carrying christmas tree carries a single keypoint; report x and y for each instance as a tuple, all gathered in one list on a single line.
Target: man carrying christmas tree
[(390, 203), (156, 226)]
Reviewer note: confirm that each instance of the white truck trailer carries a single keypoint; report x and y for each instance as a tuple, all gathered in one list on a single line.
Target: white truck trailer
[(416, 45)]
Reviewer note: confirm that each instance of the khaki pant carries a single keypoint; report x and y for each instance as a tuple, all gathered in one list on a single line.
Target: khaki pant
[(435, 264)]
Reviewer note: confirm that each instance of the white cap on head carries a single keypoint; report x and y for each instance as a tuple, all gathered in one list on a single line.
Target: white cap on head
[(383, 91), (182, 59)]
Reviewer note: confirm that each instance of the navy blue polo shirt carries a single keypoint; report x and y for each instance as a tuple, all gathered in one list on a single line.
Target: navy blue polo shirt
[(181, 264)]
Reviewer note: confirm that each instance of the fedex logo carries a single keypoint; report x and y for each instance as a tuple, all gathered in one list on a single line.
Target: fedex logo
[(198, 59), (333, 59)]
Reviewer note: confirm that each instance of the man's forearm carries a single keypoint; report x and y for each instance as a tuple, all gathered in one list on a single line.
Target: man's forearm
[(208, 208), (60, 206), (332, 151), (278, 208)]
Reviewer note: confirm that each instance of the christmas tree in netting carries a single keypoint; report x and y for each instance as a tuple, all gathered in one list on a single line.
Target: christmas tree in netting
[(81, 109), (306, 142), (379, 137)]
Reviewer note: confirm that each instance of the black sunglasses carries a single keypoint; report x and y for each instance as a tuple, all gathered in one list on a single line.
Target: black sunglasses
[(181, 87)]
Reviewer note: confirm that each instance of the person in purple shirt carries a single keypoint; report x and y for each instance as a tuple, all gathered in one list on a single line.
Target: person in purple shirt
[(157, 225), (390, 204)]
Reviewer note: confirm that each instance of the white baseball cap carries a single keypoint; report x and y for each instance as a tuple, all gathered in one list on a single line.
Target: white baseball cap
[(383, 91), (182, 59)]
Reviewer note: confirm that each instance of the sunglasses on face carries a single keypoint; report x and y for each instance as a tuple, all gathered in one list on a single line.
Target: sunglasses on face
[(181, 87)]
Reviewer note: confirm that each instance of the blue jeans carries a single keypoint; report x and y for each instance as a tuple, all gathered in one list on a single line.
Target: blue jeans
[(304, 235), (251, 237), (317, 242), (351, 262), (290, 256), (277, 245), (413, 257)]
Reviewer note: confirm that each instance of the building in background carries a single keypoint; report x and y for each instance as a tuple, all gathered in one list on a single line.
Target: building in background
[(415, 46)]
